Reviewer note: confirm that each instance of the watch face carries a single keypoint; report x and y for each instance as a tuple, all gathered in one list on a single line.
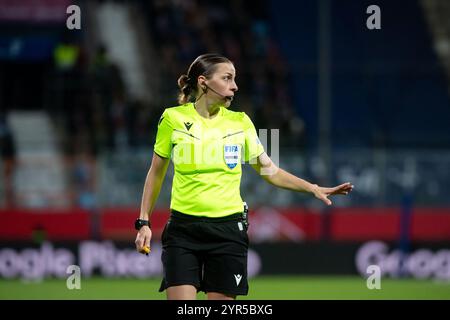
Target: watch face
[(139, 223)]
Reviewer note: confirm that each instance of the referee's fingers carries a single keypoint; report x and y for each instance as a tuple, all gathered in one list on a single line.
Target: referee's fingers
[(326, 200), (147, 240), (139, 242)]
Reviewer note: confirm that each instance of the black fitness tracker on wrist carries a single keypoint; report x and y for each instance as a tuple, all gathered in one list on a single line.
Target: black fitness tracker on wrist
[(139, 223)]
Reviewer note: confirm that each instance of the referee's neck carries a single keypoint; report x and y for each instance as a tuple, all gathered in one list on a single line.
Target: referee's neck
[(205, 110)]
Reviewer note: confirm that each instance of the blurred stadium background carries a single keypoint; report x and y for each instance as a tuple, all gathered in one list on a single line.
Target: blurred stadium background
[(77, 123)]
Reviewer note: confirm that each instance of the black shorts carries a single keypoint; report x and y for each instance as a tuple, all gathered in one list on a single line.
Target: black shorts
[(208, 253)]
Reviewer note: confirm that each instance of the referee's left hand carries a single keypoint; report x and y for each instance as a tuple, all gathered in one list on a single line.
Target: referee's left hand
[(143, 239), (323, 193)]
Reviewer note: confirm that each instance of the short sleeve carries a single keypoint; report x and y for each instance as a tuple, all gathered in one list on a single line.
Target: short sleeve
[(163, 144), (253, 147)]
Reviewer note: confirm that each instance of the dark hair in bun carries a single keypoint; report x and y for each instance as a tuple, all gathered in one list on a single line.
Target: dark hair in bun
[(202, 65)]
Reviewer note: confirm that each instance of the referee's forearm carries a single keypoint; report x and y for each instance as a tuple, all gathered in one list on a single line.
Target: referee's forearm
[(152, 187), (286, 180)]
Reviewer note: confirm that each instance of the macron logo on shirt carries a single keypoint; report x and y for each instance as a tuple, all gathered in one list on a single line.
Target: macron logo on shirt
[(188, 125), (238, 278)]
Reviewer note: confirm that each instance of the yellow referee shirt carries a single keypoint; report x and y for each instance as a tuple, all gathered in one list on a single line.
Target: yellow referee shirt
[(207, 156)]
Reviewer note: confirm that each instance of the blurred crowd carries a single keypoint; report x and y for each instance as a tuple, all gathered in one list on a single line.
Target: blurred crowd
[(84, 91), (241, 31), (78, 81), (91, 102), (96, 113)]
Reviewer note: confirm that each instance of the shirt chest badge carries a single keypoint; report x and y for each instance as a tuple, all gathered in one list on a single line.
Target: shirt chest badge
[(231, 154)]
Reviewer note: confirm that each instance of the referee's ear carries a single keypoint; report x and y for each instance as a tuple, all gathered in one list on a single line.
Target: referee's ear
[(201, 81)]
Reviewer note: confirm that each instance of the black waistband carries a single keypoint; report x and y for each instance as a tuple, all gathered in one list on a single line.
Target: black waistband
[(187, 217)]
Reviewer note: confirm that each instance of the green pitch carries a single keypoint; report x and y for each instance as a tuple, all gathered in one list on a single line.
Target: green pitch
[(267, 287)]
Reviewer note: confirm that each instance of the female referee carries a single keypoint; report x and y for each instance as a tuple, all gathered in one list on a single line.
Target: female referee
[(205, 241)]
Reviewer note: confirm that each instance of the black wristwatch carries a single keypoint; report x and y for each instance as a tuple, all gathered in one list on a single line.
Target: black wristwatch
[(139, 223)]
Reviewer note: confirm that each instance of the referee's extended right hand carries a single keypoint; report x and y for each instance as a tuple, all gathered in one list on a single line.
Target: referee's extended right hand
[(143, 239)]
